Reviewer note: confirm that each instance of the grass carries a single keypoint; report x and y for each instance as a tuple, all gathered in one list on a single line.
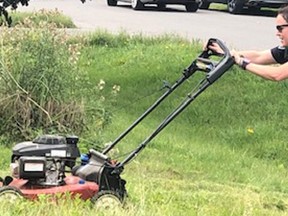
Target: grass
[(206, 162), (49, 16), (263, 11), (225, 155)]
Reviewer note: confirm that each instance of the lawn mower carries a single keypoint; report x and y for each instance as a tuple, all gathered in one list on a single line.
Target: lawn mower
[(38, 166)]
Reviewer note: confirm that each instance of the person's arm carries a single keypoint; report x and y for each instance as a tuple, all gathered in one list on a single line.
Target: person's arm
[(269, 72), (258, 57), (258, 63)]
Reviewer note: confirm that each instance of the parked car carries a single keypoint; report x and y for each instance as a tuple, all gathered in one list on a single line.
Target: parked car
[(190, 5), (236, 6)]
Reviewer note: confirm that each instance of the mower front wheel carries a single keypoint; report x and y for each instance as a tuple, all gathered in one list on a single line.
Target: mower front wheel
[(107, 200), (10, 193)]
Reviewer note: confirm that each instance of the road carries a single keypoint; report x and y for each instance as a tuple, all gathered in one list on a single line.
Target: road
[(238, 31)]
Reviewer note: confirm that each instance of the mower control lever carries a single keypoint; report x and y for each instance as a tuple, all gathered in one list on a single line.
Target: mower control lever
[(205, 64)]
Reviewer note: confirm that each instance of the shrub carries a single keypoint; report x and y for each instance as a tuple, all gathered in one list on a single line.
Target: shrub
[(49, 16), (40, 86)]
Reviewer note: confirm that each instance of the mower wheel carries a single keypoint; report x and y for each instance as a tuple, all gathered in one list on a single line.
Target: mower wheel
[(10, 193), (107, 200)]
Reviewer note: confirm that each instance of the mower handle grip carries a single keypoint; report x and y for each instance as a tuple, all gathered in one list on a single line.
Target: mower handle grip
[(205, 63), (222, 46), (223, 65)]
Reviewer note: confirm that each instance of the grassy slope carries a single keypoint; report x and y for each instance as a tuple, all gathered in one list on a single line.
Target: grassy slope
[(207, 162), (225, 155)]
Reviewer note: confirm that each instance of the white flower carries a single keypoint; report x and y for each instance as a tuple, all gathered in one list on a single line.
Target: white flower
[(101, 84), (116, 88)]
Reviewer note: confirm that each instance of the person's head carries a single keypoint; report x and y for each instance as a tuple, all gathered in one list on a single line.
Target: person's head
[(282, 25)]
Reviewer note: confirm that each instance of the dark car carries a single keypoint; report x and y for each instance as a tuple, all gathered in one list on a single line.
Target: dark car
[(190, 5), (236, 6)]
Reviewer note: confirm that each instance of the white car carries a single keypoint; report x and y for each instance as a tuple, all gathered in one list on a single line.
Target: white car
[(190, 5), (236, 6)]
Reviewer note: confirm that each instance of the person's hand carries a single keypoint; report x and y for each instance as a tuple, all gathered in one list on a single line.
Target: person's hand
[(236, 56), (216, 48), (240, 59)]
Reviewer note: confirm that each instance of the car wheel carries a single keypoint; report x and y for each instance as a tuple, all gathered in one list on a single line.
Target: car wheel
[(204, 4), (235, 6), (137, 4), (254, 9), (192, 6), (111, 2), (11, 194), (161, 6), (107, 200)]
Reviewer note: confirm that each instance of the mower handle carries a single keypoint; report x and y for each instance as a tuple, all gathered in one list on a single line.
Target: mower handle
[(216, 71), (220, 67), (220, 44)]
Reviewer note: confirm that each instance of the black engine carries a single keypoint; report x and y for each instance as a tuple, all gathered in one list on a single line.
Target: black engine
[(44, 159)]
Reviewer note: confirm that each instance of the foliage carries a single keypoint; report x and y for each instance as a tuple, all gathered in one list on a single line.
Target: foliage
[(48, 16), (41, 87), (10, 3)]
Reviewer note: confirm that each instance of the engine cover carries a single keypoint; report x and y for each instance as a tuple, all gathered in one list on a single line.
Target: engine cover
[(52, 146)]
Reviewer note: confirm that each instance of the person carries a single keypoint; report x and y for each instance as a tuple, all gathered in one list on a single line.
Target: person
[(269, 64)]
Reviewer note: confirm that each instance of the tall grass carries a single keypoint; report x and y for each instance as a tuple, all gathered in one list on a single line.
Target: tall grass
[(41, 85), (49, 16)]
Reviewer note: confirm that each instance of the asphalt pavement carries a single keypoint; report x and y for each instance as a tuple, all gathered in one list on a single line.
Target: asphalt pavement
[(245, 31)]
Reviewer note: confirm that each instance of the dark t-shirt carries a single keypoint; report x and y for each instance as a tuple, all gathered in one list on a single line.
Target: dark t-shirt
[(280, 54)]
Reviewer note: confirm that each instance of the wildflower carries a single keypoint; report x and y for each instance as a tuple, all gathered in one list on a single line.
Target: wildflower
[(101, 84), (116, 88), (250, 130)]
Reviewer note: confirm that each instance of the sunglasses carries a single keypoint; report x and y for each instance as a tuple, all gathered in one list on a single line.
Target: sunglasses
[(281, 27)]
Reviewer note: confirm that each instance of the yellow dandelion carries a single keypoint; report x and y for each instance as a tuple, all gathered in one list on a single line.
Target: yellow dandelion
[(250, 130)]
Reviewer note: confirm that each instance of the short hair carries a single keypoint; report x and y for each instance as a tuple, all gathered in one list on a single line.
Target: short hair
[(284, 12)]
